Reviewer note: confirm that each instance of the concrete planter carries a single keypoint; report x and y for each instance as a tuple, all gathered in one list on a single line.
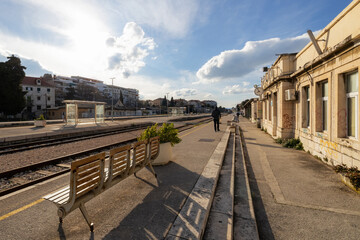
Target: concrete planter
[(39, 123), (165, 155)]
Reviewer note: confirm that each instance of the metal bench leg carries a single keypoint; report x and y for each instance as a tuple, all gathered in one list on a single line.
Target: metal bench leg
[(86, 216), (152, 170)]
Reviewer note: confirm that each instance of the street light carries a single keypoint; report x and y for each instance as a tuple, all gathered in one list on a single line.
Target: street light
[(112, 99), (46, 105), (167, 108)]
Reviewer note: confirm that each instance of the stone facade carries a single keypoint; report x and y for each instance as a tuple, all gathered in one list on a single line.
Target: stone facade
[(324, 83)]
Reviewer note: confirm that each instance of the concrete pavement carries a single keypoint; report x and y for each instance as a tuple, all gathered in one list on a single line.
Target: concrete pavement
[(295, 195), (139, 207)]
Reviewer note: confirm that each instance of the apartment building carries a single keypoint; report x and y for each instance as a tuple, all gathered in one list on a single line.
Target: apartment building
[(40, 94), (314, 94), (128, 96)]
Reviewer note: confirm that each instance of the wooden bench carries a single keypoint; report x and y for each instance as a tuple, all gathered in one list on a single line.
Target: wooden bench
[(89, 177)]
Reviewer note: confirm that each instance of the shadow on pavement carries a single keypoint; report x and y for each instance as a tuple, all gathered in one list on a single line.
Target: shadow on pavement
[(153, 218)]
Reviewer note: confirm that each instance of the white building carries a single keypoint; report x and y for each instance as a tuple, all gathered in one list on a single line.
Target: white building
[(41, 93), (129, 95)]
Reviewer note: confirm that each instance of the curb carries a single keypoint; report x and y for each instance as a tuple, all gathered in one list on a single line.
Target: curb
[(248, 227), (192, 218), (348, 183)]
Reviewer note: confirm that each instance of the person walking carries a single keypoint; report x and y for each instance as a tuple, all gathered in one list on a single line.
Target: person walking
[(216, 117)]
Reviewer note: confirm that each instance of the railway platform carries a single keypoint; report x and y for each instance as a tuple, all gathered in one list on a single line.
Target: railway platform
[(14, 132), (139, 207)]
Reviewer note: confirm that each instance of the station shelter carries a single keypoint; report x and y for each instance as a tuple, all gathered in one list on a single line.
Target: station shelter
[(84, 112)]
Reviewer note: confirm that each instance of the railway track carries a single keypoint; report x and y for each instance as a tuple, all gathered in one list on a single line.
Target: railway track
[(65, 138), (16, 179)]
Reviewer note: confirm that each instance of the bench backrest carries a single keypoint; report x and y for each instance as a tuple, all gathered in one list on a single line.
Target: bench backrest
[(119, 164), (87, 175), (154, 147), (139, 154)]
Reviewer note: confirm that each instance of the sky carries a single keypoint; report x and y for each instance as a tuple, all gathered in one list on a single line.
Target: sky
[(190, 49)]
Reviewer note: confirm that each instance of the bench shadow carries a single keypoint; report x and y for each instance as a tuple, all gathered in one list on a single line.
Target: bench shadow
[(153, 218)]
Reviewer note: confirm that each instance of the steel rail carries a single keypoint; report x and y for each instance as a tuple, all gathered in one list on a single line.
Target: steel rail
[(18, 147)]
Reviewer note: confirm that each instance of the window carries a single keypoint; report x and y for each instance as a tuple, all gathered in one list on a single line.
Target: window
[(306, 107), (352, 89), (31, 88), (38, 89), (38, 98), (38, 107), (324, 103), (48, 98), (48, 90), (270, 106)]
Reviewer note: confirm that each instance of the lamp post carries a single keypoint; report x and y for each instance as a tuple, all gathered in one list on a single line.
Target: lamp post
[(112, 99), (167, 107), (46, 105)]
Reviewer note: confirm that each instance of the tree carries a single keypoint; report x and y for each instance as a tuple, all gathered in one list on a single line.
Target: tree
[(12, 100), (163, 102), (172, 102), (70, 93), (121, 97)]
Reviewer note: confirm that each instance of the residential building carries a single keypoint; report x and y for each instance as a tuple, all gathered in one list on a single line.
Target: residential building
[(40, 94)]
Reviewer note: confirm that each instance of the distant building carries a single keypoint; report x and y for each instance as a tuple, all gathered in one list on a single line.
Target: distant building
[(209, 103), (109, 93), (40, 94)]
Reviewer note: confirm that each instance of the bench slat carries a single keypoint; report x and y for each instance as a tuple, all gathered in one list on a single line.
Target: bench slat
[(59, 191), (90, 176), (87, 172)]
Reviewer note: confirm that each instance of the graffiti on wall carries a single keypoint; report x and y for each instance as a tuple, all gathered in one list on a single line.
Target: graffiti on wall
[(329, 148), (288, 121)]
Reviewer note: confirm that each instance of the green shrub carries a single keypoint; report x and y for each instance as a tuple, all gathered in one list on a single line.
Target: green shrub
[(41, 117), (352, 173), (290, 143), (340, 168), (299, 146), (166, 132)]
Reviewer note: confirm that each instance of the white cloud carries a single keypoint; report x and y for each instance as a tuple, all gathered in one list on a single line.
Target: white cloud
[(185, 92), (174, 17), (85, 46), (148, 88), (236, 89), (255, 54), (130, 49)]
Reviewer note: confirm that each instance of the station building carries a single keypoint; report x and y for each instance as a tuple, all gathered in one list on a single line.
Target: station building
[(314, 95)]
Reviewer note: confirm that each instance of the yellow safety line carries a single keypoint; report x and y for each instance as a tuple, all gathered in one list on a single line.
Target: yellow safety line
[(21, 209), (194, 130), (40, 200)]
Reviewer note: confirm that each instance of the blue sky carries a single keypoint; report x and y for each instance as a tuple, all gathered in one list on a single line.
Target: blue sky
[(192, 49)]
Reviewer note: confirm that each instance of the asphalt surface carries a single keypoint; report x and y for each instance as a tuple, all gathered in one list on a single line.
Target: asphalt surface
[(295, 195)]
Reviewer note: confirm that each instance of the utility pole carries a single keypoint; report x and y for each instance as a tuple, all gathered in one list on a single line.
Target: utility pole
[(112, 99), (167, 107)]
